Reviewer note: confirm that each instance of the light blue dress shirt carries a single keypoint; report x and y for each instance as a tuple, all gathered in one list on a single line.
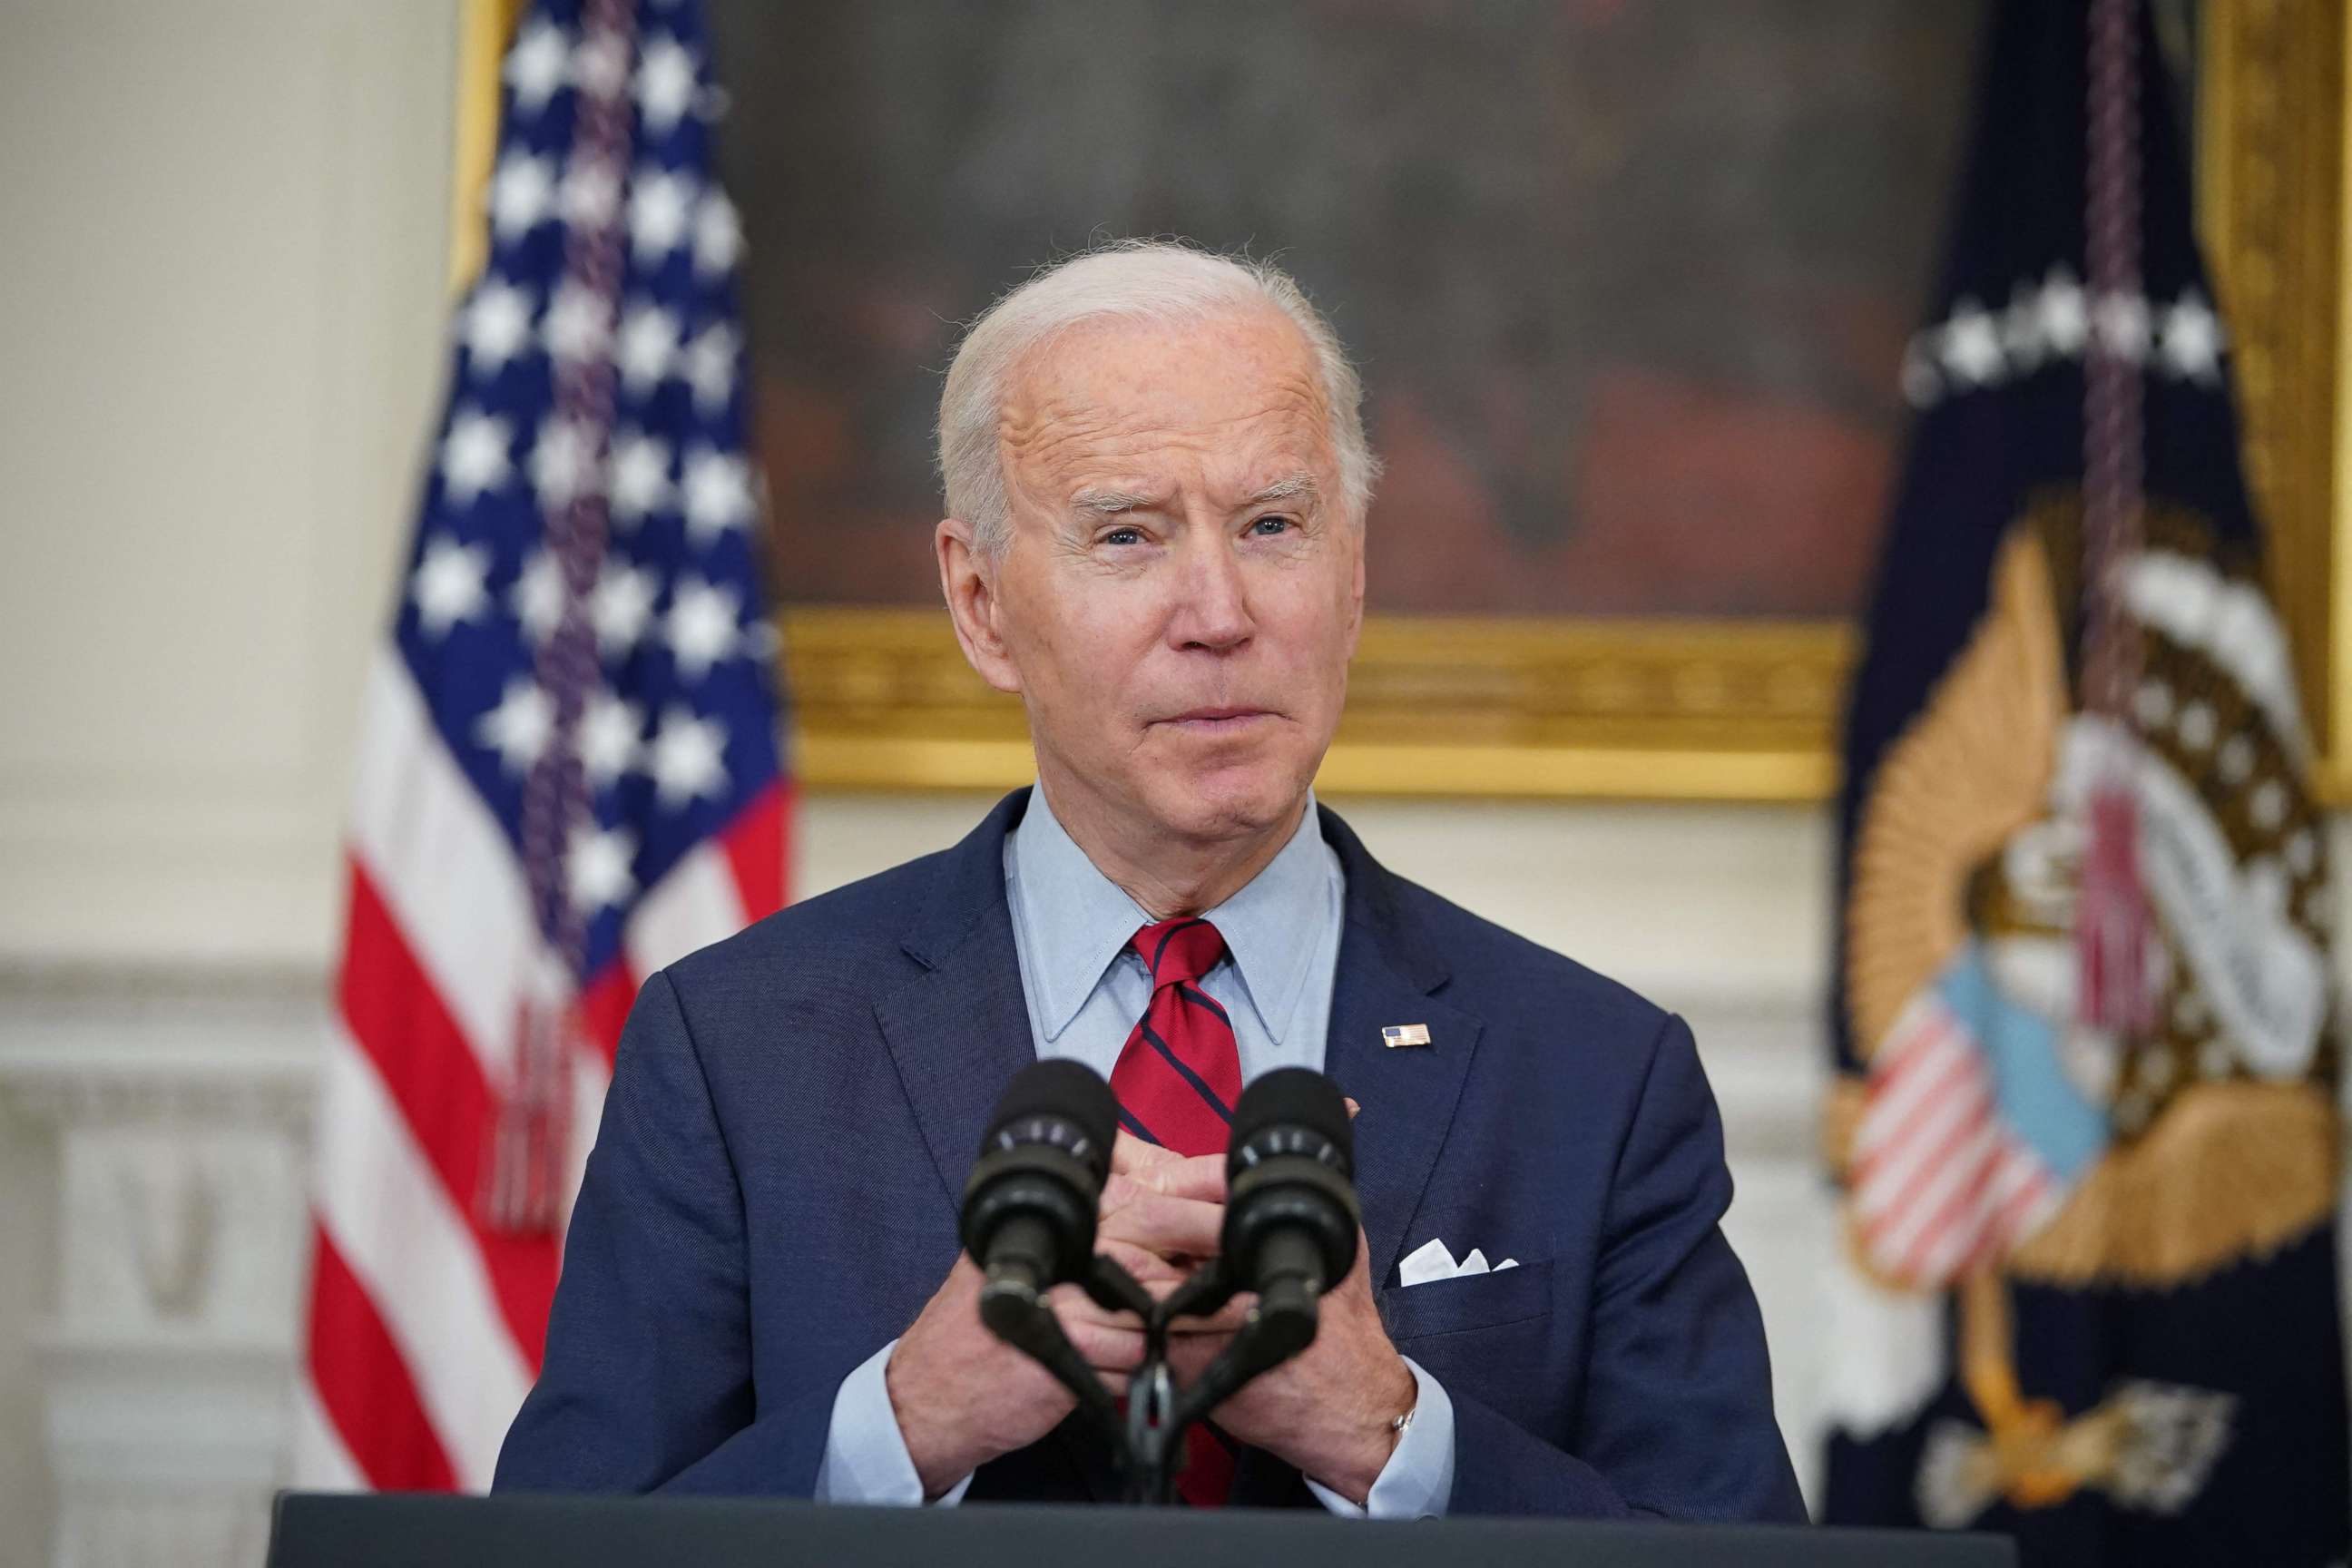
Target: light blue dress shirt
[(1086, 988)]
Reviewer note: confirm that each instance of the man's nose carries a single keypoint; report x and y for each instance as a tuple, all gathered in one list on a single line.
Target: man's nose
[(1213, 610)]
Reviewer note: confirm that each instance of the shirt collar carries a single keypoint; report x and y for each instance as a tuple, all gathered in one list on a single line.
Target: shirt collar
[(1076, 921)]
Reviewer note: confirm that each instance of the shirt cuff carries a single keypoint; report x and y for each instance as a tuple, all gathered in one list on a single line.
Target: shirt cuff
[(1418, 1480), (866, 1458)]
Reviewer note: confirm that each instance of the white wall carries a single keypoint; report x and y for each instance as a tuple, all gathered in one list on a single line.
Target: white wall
[(221, 273), (220, 319)]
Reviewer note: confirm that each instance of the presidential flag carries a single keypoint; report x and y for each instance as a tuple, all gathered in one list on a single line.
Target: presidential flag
[(2085, 1125), (569, 771)]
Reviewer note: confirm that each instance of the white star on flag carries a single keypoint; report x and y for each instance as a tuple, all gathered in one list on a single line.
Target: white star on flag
[(494, 325), (522, 194), (600, 63), (710, 366), (597, 868), (686, 758), (717, 492), (579, 324), (620, 605), (717, 234), (702, 627), (664, 83), (2190, 340), (536, 65), (448, 585), (2064, 315), (563, 462), (473, 456), (591, 197), (661, 204), (538, 595), (640, 485), (1971, 346), (649, 343), (612, 729), (518, 728), (2020, 328)]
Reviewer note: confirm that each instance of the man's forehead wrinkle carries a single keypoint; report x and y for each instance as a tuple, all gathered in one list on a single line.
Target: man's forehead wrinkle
[(1092, 425)]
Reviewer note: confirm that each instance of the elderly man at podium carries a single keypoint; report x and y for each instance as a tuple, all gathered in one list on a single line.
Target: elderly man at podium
[(1157, 479)]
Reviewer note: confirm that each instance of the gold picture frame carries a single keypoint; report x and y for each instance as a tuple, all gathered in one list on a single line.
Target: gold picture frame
[(1704, 709)]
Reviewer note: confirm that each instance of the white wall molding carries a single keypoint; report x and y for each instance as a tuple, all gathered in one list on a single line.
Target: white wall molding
[(174, 1105)]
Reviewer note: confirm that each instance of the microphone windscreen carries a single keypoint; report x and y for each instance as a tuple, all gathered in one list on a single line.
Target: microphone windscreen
[(1295, 1098), (1066, 1089)]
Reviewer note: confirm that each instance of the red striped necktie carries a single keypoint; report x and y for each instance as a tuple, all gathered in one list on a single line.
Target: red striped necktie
[(1177, 1079)]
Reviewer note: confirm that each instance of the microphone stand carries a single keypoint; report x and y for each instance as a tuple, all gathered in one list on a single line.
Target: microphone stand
[(1148, 1441), (1281, 1325)]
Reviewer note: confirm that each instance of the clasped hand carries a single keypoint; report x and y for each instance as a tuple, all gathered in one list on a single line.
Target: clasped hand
[(962, 1396)]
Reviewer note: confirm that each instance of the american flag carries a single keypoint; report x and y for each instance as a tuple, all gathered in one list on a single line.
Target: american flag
[(569, 773)]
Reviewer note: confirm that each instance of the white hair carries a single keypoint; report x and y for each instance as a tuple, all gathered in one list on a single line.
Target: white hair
[(1158, 282)]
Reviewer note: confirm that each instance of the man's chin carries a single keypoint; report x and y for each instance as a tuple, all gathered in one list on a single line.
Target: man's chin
[(1232, 799)]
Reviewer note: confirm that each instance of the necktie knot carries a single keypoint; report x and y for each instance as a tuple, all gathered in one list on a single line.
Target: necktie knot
[(1179, 951)]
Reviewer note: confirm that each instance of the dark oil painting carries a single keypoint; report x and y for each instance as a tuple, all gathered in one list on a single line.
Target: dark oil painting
[(1628, 280)]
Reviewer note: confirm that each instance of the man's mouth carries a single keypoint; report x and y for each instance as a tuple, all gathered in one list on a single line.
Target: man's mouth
[(1216, 720)]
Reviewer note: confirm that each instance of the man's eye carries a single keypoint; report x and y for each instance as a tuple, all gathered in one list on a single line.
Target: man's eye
[(1124, 536), (1268, 527)]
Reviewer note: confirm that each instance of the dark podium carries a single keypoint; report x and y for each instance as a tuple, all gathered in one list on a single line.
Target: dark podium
[(313, 1530)]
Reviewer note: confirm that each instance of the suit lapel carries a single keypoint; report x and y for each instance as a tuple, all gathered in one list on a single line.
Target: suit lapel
[(1390, 973), (959, 1032)]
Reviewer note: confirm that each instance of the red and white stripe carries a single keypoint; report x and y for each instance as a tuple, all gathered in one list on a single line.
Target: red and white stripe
[(1938, 1179), (426, 1326)]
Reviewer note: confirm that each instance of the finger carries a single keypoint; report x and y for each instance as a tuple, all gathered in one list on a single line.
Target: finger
[(1360, 1272), (1219, 1324), (1173, 1227), (1130, 1154), (1072, 1305), (1201, 1177), (1352, 1108), (1150, 1271), (1106, 1349)]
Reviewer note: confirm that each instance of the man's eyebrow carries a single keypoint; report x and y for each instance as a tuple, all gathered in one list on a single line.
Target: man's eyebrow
[(1110, 502), (1296, 488)]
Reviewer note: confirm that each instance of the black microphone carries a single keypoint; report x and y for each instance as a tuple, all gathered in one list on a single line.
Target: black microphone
[(1290, 1197), (1029, 1205)]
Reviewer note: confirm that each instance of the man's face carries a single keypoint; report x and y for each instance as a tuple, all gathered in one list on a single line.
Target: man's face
[(1182, 588)]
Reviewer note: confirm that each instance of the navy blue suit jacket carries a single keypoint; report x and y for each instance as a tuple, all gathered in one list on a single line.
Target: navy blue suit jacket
[(773, 1196)]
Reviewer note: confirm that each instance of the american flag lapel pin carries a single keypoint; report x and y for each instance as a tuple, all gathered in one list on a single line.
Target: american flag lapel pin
[(1396, 1035)]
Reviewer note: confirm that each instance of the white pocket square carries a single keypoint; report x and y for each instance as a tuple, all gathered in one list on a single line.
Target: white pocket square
[(1435, 1260)]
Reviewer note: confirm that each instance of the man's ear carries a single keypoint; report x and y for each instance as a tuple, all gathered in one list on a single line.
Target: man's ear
[(968, 579), (1356, 591)]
